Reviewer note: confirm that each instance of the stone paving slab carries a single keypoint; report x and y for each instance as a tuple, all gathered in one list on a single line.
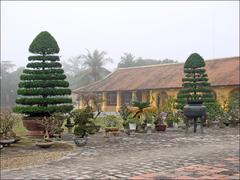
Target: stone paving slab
[(147, 156)]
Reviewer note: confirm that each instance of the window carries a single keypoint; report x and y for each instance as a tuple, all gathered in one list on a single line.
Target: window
[(99, 96), (111, 98), (126, 97)]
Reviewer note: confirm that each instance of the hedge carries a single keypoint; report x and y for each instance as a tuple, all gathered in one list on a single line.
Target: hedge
[(42, 109), (44, 65), (195, 79), (43, 84), (44, 91), (32, 101), (190, 90), (43, 71), (190, 85), (200, 71), (43, 58), (43, 77)]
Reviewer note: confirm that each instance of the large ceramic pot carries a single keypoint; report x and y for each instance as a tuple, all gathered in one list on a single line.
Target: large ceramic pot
[(194, 110), (34, 126)]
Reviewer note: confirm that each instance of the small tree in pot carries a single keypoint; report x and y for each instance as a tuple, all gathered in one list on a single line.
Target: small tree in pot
[(82, 125), (43, 88), (195, 90)]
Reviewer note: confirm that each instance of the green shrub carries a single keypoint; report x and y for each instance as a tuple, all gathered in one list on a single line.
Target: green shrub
[(214, 112), (233, 109), (112, 121)]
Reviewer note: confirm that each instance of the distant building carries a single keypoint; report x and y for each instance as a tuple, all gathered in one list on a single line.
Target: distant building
[(164, 80)]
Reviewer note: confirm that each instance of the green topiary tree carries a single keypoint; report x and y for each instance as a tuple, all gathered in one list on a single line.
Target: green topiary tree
[(43, 88), (195, 87)]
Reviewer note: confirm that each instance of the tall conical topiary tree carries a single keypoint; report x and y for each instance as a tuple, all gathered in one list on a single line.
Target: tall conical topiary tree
[(195, 87), (43, 89)]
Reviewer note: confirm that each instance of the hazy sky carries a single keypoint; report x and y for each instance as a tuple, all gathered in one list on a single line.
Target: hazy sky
[(156, 30)]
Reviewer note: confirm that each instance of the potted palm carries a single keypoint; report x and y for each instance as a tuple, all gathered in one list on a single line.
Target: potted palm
[(83, 126)]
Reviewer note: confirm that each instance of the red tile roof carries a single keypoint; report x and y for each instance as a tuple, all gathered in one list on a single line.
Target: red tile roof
[(221, 72)]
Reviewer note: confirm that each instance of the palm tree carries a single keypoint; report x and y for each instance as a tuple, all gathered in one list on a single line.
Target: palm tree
[(94, 62)]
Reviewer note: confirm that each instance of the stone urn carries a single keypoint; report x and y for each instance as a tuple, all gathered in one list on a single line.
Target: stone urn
[(194, 110), (34, 126)]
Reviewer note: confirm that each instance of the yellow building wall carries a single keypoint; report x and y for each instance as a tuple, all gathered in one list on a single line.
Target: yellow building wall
[(222, 94)]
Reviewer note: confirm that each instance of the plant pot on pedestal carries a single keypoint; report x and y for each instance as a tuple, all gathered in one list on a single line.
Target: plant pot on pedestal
[(34, 126)]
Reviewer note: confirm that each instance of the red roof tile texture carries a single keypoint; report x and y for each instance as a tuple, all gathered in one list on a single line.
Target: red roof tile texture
[(221, 72)]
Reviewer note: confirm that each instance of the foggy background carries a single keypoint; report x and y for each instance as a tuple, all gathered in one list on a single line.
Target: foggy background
[(156, 30)]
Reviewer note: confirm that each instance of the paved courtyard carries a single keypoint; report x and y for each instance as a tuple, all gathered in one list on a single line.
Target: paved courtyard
[(167, 155)]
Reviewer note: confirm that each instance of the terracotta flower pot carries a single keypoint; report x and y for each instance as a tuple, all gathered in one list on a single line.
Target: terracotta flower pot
[(111, 129), (161, 127), (34, 126)]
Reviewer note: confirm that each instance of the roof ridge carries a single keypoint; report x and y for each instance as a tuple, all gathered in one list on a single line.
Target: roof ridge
[(169, 64)]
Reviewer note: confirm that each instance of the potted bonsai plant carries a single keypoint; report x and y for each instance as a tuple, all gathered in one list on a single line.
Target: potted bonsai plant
[(52, 128), (43, 88), (7, 136), (112, 123), (195, 92), (82, 125), (159, 125)]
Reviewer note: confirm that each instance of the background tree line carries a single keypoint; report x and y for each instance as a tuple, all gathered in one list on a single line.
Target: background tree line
[(81, 70)]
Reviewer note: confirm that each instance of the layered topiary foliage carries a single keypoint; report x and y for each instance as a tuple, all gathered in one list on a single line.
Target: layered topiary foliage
[(195, 87), (43, 89)]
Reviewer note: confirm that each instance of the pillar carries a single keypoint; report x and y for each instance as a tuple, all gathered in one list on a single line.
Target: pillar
[(119, 101), (81, 105), (104, 104), (134, 95)]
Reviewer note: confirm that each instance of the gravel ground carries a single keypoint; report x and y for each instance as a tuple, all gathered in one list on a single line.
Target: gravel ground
[(137, 155), (25, 153)]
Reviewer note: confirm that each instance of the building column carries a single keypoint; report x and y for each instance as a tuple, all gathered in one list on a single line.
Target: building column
[(119, 101), (104, 104), (153, 98), (134, 95), (81, 105)]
